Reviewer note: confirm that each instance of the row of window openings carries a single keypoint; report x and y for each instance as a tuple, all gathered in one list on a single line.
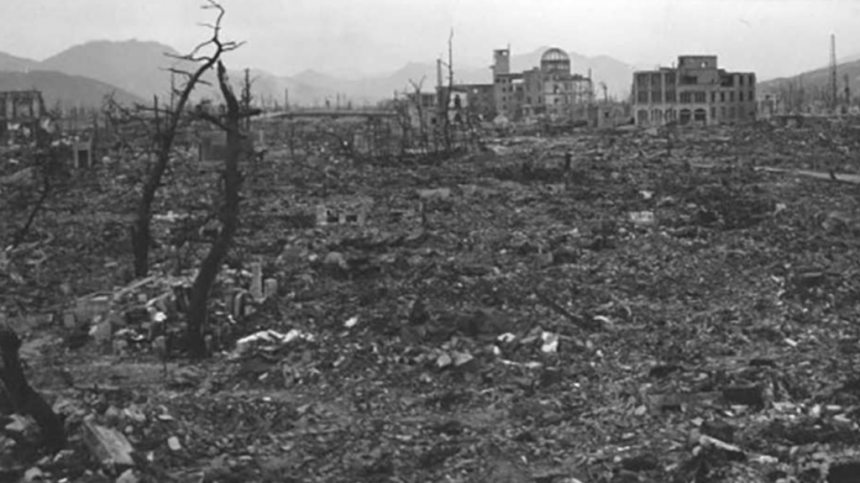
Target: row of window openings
[(557, 100), (732, 113), (725, 81), (555, 89), (693, 97)]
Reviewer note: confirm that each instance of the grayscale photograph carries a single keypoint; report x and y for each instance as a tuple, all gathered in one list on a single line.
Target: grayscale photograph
[(420, 241)]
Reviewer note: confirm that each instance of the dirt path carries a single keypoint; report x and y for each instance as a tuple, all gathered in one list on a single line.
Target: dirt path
[(844, 177)]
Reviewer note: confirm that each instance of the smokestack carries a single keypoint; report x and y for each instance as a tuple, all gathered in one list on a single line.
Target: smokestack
[(438, 73)]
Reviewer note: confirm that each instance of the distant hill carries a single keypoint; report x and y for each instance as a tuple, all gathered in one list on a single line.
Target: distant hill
[(16, 64), (134, 66), (67, 90), (140, 68), (817, 80)]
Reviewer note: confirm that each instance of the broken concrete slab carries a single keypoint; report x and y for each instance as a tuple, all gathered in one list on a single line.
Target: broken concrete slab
[(108, 446)]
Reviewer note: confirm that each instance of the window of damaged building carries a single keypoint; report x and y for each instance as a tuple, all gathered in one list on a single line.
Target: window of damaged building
[(689, 80), (671, 96), (670, 115), (686, 97), (700, 97)]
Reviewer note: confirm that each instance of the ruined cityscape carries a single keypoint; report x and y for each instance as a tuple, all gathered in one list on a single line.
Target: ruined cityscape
[(553, 268)]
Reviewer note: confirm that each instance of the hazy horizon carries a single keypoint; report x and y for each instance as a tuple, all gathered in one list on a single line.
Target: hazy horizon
[(365, 37)]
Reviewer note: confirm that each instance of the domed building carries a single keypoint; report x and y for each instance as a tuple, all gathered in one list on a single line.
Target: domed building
[(550, 90), (555, 60)]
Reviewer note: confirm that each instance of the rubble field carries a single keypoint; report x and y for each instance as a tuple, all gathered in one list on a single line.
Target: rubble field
[(676, 306)]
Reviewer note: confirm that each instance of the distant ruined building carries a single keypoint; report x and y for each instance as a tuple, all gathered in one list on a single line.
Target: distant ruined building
[(20, 110), (696, 92), (551, 89)]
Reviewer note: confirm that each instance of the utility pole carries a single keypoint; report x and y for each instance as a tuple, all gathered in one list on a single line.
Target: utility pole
[(834, 93)]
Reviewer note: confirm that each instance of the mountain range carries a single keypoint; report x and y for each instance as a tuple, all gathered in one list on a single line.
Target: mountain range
[(135, 71), (138, 70), (817, 81)]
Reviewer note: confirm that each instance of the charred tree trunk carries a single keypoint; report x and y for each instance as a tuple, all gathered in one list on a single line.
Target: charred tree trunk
[(23, 399), (229, 216), (141, 237)]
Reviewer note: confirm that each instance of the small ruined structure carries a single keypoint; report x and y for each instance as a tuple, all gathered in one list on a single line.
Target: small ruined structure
[(20, 110), (695, 92)]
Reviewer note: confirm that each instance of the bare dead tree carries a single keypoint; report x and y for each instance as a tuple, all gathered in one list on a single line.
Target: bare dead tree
[(165, 124), (231, 123), (445, 96), (16, 394)]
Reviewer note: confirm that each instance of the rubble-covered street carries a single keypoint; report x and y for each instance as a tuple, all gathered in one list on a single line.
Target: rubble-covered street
[(676, 306)]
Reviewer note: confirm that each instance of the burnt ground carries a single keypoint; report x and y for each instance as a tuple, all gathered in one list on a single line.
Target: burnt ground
[(664, 311)]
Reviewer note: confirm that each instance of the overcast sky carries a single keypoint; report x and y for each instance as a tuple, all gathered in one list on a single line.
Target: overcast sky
[(770, 37)]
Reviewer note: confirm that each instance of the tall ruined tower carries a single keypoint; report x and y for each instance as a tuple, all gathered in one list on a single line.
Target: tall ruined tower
[(501, 61)]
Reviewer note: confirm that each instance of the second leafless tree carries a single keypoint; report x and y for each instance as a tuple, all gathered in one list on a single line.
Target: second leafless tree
[(165, 124)]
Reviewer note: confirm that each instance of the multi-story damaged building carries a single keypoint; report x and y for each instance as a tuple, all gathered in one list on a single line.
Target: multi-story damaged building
[(551, 89), (696, 91)]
